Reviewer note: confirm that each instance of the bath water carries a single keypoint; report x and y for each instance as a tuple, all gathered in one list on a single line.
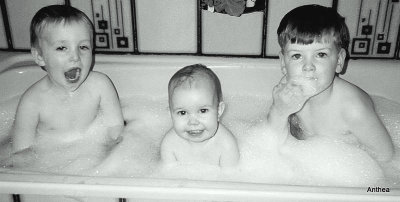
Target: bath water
[(317, 161)]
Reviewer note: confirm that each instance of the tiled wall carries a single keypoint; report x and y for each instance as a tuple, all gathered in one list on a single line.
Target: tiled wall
[(181, 27)]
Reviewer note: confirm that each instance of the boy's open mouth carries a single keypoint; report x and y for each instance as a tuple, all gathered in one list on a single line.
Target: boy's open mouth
[(73, 75)]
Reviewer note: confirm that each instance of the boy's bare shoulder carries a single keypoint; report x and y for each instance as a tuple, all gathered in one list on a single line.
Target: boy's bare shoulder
[(98, 77), (355, 101), (352, 93), (99, 81), (35, 91)]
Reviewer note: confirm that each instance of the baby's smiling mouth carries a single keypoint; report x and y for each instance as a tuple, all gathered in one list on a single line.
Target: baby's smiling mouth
[(73, 75), (195, 132)]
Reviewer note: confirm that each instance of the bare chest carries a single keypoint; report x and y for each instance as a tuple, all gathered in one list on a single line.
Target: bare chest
[(203, 155), (323, 122), (67, 114)]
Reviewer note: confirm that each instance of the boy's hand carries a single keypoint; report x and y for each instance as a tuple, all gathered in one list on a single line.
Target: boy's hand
[(20, 159), (290, 96)]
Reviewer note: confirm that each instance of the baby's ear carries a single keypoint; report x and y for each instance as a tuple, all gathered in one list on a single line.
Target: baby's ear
[(221, 108), (282, 60), (37, 57)]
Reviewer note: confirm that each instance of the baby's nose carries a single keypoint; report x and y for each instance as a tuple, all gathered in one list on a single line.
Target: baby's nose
[(193, 120)]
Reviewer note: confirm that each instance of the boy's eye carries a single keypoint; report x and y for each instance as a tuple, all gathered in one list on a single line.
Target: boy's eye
[(203, 111), (181, 113), (322, 55), (296, 56), (61, 48), (84, 47)]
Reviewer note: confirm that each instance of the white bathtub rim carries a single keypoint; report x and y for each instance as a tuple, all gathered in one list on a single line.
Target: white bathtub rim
[(180, 189)]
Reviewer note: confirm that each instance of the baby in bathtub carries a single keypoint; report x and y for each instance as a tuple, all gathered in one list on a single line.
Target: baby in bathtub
[(197, 136), (314, 42), (71, 96)]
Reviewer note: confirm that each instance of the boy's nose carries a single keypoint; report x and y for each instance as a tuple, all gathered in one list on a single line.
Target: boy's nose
[(308, 66), (74, 55)]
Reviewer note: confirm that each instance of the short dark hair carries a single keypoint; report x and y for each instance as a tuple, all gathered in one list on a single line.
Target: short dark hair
[(186, 74), (307, 23), (56, 14)]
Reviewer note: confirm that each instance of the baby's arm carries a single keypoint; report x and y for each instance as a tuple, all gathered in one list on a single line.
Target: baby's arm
[(25, 124), (110, 106), (230, 151), (369, 129), (167, 148)]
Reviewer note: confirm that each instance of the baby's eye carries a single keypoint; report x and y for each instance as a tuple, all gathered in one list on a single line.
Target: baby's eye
[(296, 56), (181, 113), (203, 111), (61, 48), (322, 55)]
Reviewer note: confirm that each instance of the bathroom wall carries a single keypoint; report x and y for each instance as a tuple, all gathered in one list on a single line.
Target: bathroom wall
[(182, 27)]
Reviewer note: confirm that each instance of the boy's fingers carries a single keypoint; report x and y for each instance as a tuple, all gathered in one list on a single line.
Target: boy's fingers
[(283, 80)]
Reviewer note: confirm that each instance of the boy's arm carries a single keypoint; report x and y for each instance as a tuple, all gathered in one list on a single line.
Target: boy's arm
[(110, 107), (288, 98), (25, 124), (369, 129)]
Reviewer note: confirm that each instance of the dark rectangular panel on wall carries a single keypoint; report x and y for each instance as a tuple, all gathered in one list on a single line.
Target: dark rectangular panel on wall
[(233, 31), (167, 26), (373, 25), (5, 35), (112, 23), (20, 16)]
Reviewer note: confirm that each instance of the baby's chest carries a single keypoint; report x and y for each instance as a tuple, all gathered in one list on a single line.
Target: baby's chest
[(200, 155)]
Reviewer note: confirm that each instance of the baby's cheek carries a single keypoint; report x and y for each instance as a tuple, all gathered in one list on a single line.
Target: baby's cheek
[(178, 124)]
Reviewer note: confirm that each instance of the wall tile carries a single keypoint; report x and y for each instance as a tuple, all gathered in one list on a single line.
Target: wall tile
[(225, 34), (373, 26), (171, 26), (3, 39), (112, 20), (167, 26), (276, 10), (20, 14)]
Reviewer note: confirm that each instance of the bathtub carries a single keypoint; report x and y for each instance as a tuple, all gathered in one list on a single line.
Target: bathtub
[(149, 75)]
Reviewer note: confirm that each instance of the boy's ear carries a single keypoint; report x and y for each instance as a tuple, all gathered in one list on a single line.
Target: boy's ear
[(37, 57), (221, 108), (341, 60), (282, 60)]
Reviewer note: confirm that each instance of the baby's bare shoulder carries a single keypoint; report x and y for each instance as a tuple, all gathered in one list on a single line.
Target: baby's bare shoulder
[(170, 142), (169, 138), (225, 137)]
